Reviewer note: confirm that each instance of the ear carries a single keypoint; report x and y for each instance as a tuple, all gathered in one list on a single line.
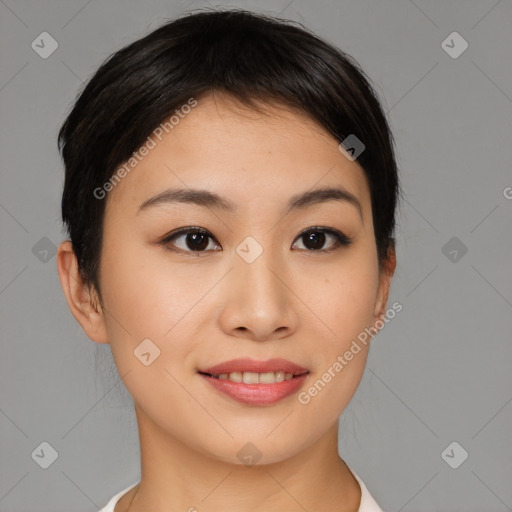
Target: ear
[(386, 274), (82, 300)]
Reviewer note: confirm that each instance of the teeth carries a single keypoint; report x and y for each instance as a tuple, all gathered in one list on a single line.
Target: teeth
[(250, 378), (235, 376), (255, 378), (271, 377), (279, 376)]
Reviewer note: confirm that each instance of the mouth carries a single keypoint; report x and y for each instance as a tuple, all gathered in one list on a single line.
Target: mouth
[(254, 377), (251, 371), (256, 383)]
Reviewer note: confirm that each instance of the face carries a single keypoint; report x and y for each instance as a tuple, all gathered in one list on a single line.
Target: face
[(189, 286)]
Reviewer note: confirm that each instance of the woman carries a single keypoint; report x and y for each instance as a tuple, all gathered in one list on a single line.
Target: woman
[(230, 198)]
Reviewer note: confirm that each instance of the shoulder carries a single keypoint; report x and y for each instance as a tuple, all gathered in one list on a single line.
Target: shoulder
[(109, 507), (368, 504)]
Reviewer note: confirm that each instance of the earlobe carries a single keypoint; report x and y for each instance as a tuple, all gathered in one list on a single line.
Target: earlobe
[(82, 300)]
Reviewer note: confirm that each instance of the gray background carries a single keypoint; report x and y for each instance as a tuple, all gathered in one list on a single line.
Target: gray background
[(439, 372)]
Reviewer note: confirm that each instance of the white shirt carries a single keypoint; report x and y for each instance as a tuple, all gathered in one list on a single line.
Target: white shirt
[(367, 504)]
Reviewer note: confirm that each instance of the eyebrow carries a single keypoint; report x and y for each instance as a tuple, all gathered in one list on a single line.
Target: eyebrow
[(209, 199)]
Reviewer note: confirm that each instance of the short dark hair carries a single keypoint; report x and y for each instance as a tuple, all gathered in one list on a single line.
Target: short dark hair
[(253, 58)]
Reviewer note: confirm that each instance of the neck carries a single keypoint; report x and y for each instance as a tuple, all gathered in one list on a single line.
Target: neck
[(176, 477)]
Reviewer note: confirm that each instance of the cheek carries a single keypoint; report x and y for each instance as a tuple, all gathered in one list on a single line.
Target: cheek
[(146, 296), (342, 297), (145, 303), (340, 344)]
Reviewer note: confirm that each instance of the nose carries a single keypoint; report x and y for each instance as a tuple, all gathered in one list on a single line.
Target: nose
[(258, 302)]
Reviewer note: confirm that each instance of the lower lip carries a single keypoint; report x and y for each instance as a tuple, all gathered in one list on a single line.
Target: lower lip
[(257, 394)]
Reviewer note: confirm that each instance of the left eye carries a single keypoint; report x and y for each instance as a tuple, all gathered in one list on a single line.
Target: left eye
[(198, 240), (314, 239)]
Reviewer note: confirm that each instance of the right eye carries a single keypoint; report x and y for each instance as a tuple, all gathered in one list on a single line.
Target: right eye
[(193, 239)]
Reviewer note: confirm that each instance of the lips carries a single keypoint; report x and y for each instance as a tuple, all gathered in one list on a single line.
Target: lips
[(253, 366), (256, 383)]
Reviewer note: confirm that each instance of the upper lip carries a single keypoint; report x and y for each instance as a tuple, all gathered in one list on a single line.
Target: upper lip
[(252, 365)]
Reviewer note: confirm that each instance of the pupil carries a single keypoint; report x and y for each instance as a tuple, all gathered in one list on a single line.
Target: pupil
[(316, 238), (195, 237)]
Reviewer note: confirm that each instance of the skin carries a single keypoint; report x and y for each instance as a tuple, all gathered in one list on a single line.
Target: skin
[(301, 304)]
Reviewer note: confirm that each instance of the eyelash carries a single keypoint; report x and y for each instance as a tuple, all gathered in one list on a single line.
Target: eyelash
[(341, 239)]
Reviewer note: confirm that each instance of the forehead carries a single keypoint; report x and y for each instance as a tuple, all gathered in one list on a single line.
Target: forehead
[(237, 152)]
